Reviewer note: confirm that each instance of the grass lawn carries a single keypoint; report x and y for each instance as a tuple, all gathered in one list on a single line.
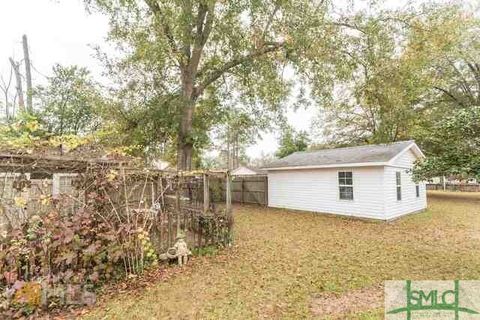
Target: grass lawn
[(291, 265)]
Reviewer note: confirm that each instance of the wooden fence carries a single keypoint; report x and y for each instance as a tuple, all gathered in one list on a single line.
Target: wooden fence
[(247, 189), (165, 203), (455, 187)]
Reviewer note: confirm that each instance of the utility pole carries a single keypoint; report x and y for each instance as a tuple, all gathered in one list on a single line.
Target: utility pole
[(28, 73), (18, 78)]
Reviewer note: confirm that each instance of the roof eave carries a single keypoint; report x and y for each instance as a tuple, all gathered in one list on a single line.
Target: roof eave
[(416, 150), (334, 165)]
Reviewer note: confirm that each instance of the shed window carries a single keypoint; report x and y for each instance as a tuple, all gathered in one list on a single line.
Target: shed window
[(399, 185), (417, 190), (345, 185)]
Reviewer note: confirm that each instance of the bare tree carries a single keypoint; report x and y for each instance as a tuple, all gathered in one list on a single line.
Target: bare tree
[(18, 78), (5, 87), (28, 72)]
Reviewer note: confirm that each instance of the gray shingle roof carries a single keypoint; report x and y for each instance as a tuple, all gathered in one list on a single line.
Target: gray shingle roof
[(342, 156)]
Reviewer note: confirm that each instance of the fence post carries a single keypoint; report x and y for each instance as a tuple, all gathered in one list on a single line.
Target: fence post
[(206, 193), (177, 207)]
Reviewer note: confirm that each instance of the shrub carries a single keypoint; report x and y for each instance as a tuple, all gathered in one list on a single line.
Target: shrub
[(60, 250)]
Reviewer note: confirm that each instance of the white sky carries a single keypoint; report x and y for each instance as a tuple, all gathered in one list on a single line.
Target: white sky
[(61, 31)]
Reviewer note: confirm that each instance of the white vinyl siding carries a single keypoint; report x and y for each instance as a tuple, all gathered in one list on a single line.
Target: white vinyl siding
[(374, 190), (317, 190), (410, 202)]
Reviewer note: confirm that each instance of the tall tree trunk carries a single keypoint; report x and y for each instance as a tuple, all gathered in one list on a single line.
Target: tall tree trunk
[(28, 73), (18, 78), (228, 148), (184, 144)]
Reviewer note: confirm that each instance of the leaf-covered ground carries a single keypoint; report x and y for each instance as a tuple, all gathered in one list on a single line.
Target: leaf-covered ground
[(291, 265)]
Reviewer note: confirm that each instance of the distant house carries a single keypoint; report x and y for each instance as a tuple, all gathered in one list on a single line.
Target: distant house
[(160, 164), (247, 171), (372, 181), (452, 180)]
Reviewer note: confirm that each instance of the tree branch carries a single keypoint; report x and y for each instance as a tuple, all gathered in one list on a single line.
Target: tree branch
[(205, 20), (450, 95), (348, 25), (238, 61), (160, 16)]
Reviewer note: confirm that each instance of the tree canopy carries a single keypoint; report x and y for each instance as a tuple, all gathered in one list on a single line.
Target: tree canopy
[(399, 58), (70, 102), (292, 141), (182, 59)]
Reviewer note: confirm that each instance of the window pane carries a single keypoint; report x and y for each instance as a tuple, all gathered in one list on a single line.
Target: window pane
[(417, 189), (399, 193), (345, 178), (346, 193)]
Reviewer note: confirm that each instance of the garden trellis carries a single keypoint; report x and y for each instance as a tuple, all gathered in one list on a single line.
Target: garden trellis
[(125, 215)]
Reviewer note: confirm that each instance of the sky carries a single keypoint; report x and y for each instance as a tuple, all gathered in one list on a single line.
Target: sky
[(61, 31)]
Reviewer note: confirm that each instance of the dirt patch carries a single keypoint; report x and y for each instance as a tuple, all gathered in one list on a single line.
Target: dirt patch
[(355, 301)]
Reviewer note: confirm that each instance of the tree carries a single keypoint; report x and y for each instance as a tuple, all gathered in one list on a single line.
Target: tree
[(70, 102), (398, 58), (8, 100), (185, 54), (452, 145), (28, 73), (292, 141), (19, 87), (262, 160)]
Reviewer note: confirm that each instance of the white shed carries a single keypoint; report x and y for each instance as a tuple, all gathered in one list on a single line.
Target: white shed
[(372, 181)]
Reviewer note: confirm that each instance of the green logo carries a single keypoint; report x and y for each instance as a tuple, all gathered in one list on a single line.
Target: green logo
[(435, 299)]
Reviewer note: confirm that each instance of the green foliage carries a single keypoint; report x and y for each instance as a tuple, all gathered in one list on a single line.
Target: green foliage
[(27, 134), (70, 103), (183, 64), (453, 146), (22, 133), (292, 141), (398, 58), (205, 251)]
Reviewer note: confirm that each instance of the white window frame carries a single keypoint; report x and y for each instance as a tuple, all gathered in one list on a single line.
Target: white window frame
[(56, 181), (345, 185), (398, 184)]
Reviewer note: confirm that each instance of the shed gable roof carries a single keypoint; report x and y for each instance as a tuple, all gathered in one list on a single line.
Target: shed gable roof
[(378, 154)]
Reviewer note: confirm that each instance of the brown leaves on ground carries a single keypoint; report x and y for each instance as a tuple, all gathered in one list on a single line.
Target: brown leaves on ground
[(352, 302), (281, 259)]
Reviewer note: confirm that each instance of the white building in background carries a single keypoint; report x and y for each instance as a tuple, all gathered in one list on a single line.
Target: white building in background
[(372, 181), (247, 171)]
